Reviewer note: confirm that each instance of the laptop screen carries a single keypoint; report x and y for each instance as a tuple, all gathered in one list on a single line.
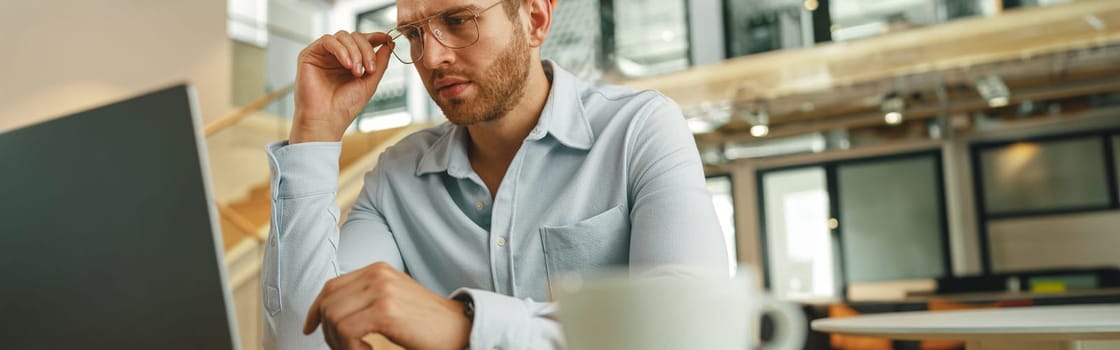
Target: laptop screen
[(108, 238)]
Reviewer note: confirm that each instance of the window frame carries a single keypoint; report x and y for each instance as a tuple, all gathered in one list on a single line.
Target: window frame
[(833, 188), (983, 217)]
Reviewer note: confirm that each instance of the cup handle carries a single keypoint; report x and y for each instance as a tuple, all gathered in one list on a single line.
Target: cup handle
[(789, 324)]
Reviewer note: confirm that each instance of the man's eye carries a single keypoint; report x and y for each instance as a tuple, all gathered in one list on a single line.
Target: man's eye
[(456, 20), (411, 33)]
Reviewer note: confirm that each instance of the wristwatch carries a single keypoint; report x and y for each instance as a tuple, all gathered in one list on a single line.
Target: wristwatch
[(468, 305)]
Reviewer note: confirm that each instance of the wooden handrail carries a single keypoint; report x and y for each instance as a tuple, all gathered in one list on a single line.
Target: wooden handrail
[(250, 108)]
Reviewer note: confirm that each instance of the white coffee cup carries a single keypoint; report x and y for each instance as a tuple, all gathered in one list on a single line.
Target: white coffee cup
[(668, 309)]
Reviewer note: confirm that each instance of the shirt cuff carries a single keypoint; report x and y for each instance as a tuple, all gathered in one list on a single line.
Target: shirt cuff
[(499, 320), (304, 168)]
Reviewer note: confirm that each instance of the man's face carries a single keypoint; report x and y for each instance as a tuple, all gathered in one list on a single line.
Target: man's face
[(478, 83)]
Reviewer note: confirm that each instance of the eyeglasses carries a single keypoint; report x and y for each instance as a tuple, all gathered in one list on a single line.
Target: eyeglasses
[(454, 29)]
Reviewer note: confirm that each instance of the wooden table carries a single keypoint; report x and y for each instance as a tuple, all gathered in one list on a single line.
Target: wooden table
[(1042, 327)]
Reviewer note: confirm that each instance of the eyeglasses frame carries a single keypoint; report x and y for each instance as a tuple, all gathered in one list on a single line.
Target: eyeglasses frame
[(426, 22)]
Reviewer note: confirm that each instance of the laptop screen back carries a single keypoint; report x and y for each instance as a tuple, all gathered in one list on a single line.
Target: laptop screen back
[(107, 239)]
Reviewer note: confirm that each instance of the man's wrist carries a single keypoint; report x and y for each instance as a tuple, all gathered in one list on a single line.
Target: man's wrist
[(311, 136), (306, 129), (467, 304)]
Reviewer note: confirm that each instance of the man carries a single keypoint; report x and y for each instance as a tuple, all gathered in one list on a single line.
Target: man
[(459, 227)]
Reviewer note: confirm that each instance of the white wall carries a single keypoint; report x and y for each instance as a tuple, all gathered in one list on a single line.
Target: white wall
[(1060, 241), (61, 57)]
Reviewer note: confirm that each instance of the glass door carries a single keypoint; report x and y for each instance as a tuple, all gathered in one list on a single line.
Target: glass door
[(797, 243)]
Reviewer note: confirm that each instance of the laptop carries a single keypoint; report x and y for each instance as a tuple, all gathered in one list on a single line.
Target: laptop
[(109, 237)]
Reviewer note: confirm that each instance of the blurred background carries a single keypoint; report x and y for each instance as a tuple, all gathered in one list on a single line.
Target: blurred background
[(864, 155)]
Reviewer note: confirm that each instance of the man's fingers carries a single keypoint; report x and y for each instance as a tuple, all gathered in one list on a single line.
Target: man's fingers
[(355, 327), (358, 344), (382, 56), (349, 283), (313, 316), (330, 335), (332, 292), (366, 50), (314, 313), (336, 49), (340, 304), (381, 63), (355, 53), (332, 287), (377, 38)]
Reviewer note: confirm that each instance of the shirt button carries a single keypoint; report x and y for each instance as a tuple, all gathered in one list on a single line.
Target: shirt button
[(479, 206), (501, 242), (273, 241)]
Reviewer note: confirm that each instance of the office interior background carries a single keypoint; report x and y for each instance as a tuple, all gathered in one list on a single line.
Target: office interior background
[(857, 150)]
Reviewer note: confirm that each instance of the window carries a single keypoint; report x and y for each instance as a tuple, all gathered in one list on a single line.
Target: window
[(891, 210), (759, 26), (1032, 177), (650, 37), (1048, 175), (856, 19), (825, 226)]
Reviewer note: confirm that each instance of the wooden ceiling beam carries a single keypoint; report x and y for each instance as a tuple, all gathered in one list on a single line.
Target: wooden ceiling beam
[(964, 46), (919, 112)]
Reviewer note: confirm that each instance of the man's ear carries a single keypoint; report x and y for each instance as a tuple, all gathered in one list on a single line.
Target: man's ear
[(540, 19)]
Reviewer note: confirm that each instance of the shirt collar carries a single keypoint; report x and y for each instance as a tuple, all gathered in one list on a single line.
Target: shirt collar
[(563, 117), (448, 153)]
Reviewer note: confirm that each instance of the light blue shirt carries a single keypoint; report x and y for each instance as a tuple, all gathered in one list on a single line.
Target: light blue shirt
[(609, 176)]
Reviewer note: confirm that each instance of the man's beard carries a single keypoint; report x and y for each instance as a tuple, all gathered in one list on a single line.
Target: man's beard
[(499, 93)]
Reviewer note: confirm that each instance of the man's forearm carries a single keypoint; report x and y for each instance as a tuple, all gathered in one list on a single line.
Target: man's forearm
[(301, 253)]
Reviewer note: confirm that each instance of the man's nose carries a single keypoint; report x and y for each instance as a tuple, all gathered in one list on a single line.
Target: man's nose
[(435, 53)]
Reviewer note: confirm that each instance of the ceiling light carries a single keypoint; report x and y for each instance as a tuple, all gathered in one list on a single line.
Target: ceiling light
[(893, 106), (993, 90), (792, 144), (893, 118), (759, 119), (760, 130)]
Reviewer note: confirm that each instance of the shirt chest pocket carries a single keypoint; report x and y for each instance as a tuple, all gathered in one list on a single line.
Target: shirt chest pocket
[(600, 241)]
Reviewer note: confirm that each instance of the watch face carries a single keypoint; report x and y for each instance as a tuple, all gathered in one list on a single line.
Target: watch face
[(468, 305)]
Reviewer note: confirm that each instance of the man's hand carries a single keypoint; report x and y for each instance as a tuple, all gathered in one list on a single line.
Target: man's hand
[(335, 76), (380, 299)]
